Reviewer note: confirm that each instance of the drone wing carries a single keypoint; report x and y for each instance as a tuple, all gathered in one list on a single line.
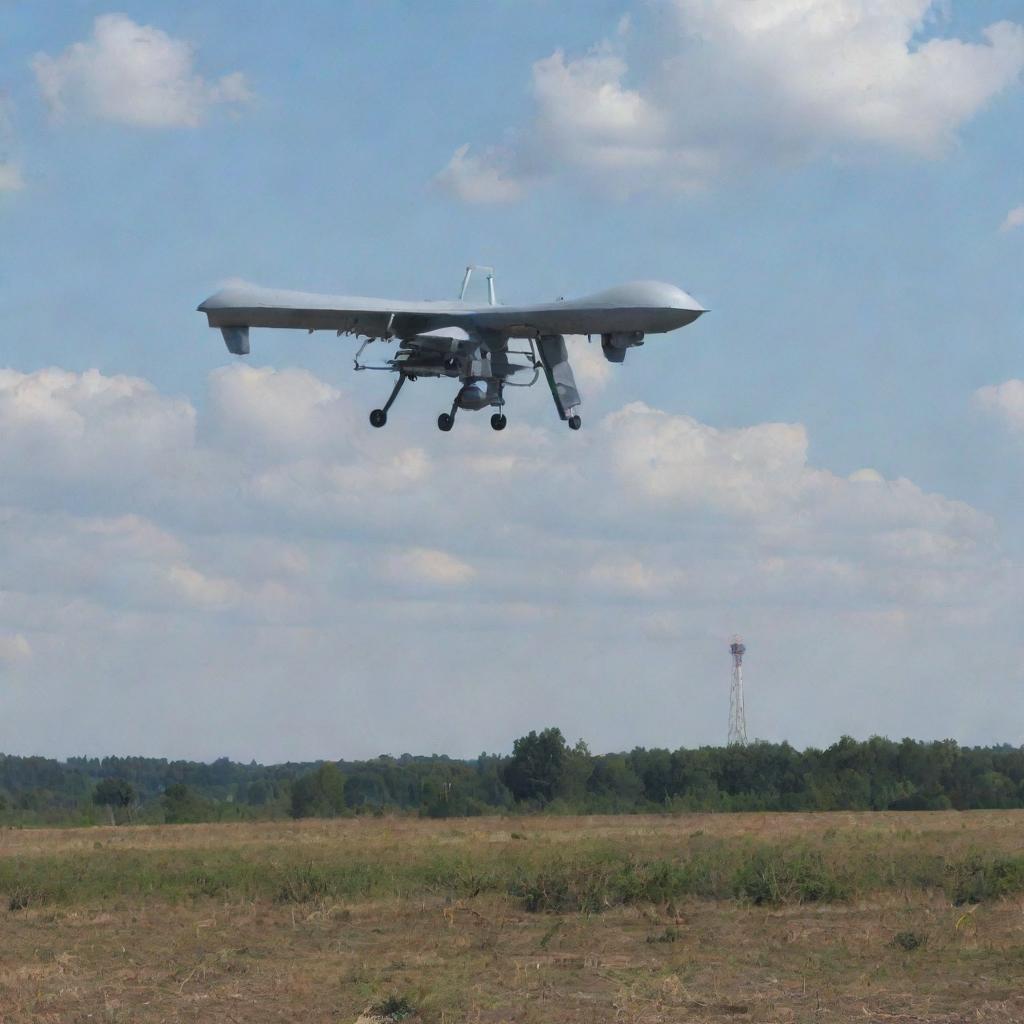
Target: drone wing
[(627, 312), (237, 308)]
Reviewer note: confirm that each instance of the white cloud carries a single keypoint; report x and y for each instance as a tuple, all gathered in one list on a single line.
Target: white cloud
[(631, 576), (428, 565), (772, 524), (202, 591), (860, 74), (744, 86), (280, 453), (14, 648), (57, 426), (866, 476), (1005, 402), (674, 458), (219, 553), (1014, 219), (593, 372), (10, 177), (280, 410), (478, 179), (134, 74)]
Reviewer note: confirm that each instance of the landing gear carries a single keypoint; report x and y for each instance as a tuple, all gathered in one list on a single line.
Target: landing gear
[(380, 416), (561, 379), (446, 420), (499, 421)]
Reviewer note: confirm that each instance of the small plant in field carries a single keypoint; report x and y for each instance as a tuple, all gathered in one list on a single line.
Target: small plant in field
[(550, 934), (393, 1008), (303, 885), (908, 941), (19, 900), (977, 879), (670, 934), (790, 876)]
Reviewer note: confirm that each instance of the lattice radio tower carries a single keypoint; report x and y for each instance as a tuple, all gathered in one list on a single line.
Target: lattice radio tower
[(737, 711)]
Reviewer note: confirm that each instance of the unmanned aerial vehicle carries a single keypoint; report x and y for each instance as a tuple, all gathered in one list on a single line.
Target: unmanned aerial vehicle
[(486, 348)]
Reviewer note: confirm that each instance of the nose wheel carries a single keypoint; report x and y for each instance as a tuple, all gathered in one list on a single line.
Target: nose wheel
[(445, 421), (499, 421), (575, 423)]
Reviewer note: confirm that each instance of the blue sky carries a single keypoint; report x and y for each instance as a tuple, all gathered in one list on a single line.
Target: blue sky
[(835, 180)]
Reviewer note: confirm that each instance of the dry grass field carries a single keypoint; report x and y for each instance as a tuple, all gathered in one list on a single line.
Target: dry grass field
[(829, 917)]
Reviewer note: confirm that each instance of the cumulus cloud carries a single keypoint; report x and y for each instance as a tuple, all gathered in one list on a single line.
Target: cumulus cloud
[(593, 372), (739, 86), (14, 649), (279, 410), (268, 534), (1014, 219), (1005, 402), (59, 426), (479, 179), (763, 473), (280, 451), (10, 177), (134, 74), (427, 565), (631, 576)]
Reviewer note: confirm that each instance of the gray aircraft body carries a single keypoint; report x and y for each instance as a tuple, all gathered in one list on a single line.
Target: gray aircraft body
[(482, 346)]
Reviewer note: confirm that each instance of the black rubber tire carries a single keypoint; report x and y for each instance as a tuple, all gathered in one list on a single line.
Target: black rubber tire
[(499, 421), (575, 423), (378, 418), (445, 421)]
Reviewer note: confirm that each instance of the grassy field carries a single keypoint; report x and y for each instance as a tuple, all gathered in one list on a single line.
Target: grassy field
[(828, 917)]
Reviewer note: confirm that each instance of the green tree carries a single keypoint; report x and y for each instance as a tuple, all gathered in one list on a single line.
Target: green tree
[(613, 778), (654, 767), (543, 766), (115, 793), (320, 794), (365, 789), (183, 804)]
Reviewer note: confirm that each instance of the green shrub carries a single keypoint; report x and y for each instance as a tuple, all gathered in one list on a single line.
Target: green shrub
[(908, 941), (773, 876), (304, 884), (393, 1008), (978, 879)]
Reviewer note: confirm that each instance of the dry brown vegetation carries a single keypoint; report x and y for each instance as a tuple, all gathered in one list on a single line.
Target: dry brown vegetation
[(828, 917)]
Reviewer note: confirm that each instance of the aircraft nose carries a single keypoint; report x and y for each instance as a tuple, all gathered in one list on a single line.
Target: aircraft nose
[(684, 300)]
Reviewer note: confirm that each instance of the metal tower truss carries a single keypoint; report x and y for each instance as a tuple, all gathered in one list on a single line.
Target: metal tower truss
[(737, 709)]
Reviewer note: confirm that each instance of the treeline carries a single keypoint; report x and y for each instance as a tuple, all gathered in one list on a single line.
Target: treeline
[(543, 773)]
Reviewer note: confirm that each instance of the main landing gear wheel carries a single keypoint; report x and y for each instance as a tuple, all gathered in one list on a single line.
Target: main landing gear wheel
[(575, 423), (378, 418), (445, 421), (499, 421)]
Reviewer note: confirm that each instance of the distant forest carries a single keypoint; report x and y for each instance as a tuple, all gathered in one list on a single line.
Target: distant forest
[(543, 774)]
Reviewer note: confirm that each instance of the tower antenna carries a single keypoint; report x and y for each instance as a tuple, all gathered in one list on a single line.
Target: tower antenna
[(737, 710)]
